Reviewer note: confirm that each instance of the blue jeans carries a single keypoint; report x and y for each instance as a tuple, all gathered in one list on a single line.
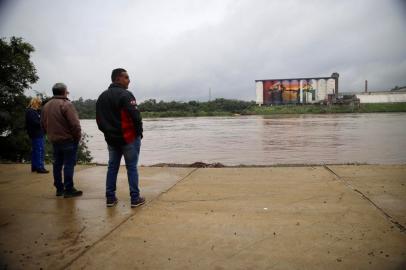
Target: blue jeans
[(38, 153), (131, 153), (64, 156)]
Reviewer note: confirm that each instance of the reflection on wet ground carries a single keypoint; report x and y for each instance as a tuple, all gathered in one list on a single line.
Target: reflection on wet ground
[(283, 139), (40, 230)]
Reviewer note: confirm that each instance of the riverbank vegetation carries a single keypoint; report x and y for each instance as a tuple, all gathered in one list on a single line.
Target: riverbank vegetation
[(226, 107), (17, 74), (320, 109)]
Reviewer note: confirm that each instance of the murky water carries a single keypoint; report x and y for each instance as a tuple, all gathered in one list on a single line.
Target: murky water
[(298, 139)]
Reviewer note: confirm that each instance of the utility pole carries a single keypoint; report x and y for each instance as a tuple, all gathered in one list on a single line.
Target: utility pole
[(366, 86), (209, 94)]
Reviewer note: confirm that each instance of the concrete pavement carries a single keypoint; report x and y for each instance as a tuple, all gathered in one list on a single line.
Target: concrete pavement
[(319, 217), (39, 230)]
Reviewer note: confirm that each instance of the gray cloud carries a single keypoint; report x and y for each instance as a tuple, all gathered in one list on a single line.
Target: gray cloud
[(180, 49)]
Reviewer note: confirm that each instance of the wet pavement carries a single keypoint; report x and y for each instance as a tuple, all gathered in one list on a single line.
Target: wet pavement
[(318, 217), (40, 230)]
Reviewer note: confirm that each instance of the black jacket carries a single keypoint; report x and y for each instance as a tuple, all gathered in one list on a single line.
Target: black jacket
[(117, 116), (33, 123)]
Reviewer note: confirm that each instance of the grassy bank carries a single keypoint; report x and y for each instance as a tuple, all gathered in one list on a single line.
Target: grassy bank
[(184, 114), (249, 108), (383, 107), (310, 109), (287, 109)]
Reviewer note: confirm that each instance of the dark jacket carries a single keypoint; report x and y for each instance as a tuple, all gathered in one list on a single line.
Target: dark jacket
[(117, 116), (33, 123), (60, 121)]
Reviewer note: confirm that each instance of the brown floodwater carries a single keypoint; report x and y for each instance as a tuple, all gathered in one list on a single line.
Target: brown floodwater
[(375, 138)]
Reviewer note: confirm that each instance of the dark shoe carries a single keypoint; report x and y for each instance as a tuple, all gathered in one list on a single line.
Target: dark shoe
[(72, 193), (59, 192), (111, 201), (33, 170), (137, 202), (42, 171)]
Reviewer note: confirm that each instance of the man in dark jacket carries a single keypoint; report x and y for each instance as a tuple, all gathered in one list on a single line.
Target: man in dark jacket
[(60, 121), (118, 118)]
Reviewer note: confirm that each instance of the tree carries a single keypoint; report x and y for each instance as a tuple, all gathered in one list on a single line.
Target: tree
[(17, 73)]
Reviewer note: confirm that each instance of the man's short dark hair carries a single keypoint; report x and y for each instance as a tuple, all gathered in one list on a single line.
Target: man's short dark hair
[(116, 73), (59, 89)]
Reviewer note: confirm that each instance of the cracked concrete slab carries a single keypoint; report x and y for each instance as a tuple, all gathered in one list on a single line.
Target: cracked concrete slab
[(384, 185), (39, 230), (254, 218)]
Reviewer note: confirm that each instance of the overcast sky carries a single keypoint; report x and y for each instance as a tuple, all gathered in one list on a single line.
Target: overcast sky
[(177, 50)]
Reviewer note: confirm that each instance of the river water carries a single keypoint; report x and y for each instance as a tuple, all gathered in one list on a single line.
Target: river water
[(375, 138)]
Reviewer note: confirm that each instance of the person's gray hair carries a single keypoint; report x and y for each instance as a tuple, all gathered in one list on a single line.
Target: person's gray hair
[(59, 88)]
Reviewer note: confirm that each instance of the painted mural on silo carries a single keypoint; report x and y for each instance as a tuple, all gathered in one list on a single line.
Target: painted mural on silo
[(295, 91), (309, 91), (287, 92)]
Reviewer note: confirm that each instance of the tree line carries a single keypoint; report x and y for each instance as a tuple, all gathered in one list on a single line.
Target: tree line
[(153, 108)]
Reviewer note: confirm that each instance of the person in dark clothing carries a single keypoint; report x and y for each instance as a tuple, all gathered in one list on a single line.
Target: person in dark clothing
[(119, 119), (36, 134), (60, 121)]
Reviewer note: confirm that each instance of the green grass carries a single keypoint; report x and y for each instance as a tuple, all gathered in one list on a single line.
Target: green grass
[(383, 107), (184, 114), (288, 109), (310, 109), (283, 109)]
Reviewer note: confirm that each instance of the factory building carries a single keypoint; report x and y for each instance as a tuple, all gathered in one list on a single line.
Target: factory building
[(296, 90)]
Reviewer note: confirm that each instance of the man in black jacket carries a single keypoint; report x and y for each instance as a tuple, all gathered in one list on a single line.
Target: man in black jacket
[(119, 119)]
